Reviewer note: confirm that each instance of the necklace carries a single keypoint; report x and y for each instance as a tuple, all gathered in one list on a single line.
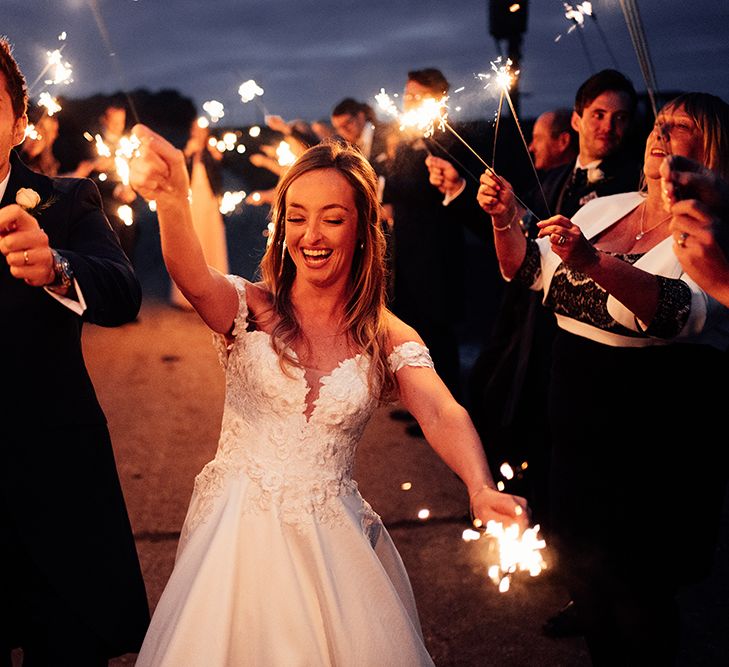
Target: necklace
[(642, 231)]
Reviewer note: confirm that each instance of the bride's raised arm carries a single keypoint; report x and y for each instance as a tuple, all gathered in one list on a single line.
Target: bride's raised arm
[(158, 173)]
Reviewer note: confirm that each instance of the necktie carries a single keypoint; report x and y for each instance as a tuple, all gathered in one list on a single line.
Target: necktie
[(574, 189), (579, 179)]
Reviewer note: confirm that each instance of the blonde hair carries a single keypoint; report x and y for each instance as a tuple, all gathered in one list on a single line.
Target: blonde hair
[(711, 115), (365, 310)]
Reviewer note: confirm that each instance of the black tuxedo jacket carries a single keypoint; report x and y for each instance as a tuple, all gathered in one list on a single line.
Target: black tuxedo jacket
[(428, 248), (58, 481)]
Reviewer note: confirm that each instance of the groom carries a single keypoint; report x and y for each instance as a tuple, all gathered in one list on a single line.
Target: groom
[(71, 590)]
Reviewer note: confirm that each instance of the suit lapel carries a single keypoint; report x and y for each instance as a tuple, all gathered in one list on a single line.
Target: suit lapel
[(22, 177)]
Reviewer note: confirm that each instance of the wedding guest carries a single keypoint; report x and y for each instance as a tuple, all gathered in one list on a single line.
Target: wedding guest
[(71, 590), (637, 339), (277, 540), (554, 141), (427, 253), (698, 199), (357, 123), (37, 149), (206, 188), (114, 192)]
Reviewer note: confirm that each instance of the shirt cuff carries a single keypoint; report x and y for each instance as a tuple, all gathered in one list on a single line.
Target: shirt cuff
[(77, 307), (449, 198)]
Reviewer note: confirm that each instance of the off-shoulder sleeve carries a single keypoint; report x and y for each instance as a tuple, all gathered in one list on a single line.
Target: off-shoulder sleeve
[(220, 341), (409, 353)]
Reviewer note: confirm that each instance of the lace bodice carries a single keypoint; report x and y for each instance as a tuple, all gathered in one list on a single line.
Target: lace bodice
[(295, 464)]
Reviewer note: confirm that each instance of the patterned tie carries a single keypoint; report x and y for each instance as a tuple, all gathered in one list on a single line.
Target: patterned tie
[(575, 188)]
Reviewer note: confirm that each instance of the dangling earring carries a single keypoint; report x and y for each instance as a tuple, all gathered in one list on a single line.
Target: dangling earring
[(361, 245)]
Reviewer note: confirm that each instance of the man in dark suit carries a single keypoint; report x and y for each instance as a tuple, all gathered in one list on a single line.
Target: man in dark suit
[(427, 248), (71, 590), (357, 123)]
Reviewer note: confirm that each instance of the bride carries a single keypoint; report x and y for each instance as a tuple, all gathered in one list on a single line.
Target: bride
[(280, 560)]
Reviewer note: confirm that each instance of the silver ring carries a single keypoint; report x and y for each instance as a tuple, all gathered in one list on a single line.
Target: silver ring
[(681, 240), (26, 260), (562, 240)]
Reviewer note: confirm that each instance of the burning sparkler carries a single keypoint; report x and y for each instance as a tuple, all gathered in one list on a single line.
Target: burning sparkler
[(285, 155), (61, 70), (430, 114), (214, 109), (577, 16), (230, 201), (249, 90), (516, 553), (505, 78), (50, 103)]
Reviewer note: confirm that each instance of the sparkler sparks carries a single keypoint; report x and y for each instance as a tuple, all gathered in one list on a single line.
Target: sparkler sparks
[(248, 90), (285, 155), (126, 215), (577, 13), (61, 70), (230, 201), (50, 103), (516, 553), (214, 109), (509, 552), (431, 113)]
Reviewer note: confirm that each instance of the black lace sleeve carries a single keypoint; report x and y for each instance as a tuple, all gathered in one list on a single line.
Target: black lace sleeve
[(674, 308), (531, 267)]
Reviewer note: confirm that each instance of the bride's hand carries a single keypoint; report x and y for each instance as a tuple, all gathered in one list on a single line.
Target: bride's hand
[(488, 504), (157, 170)]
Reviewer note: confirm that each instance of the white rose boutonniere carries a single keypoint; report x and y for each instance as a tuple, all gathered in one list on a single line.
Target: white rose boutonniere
[(595, 175), (30, 201)]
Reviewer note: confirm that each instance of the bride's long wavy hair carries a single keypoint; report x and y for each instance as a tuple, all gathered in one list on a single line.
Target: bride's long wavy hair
[(365, 310)]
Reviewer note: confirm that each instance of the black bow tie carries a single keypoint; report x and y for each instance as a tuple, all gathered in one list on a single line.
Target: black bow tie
[(579, 179)]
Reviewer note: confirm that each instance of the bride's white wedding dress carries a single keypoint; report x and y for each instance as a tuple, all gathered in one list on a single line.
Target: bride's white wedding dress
[(281, 562)]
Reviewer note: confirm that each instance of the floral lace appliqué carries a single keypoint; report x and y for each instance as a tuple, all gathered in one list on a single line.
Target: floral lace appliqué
[(409, 353)]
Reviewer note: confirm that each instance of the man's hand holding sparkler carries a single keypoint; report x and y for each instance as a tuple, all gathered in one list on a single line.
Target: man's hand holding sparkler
[(444, 176), (25, 247)]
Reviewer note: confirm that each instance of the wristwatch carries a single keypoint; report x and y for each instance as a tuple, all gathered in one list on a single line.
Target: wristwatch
[(62, 271)]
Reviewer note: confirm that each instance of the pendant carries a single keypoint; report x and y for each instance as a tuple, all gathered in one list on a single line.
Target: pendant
[(639, 236)]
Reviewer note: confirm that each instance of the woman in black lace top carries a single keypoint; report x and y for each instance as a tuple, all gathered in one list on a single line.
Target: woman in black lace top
[(638, 481)]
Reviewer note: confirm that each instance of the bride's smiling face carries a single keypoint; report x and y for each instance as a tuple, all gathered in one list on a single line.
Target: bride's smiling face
[(321, 227)]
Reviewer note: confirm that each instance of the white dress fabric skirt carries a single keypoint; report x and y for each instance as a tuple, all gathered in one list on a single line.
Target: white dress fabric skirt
[(281, 562)]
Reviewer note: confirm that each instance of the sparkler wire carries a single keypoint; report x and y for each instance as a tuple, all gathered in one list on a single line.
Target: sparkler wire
[(605, 42), (496, 128), (640, 45), (103, 31), (526, 146), (489, 167)]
